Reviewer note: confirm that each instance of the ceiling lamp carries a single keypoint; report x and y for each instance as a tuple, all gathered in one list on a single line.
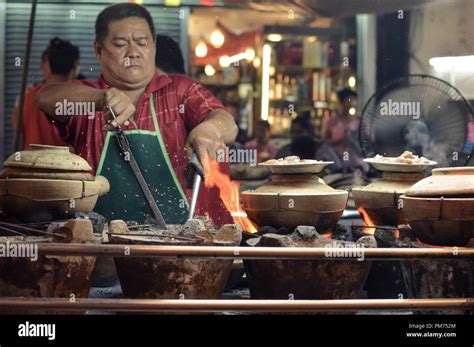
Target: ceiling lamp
[(274, 37), (209, 70), (217, 38), (201, 49), (249, 54), (224, 61), (257, 62)]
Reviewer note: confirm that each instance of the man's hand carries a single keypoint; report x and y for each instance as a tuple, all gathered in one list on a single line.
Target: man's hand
[(120, 104), (211, 136), (205, 141)]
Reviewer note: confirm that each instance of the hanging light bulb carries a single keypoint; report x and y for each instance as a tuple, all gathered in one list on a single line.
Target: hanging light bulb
[(209, 70), (224, 61), (217, 38), (257, 62), (201, 49), (249, 54)]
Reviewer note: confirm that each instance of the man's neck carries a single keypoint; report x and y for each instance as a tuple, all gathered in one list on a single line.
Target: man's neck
[(57, 79)]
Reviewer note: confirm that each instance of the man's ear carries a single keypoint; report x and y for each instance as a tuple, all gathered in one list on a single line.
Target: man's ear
[(98, 49)]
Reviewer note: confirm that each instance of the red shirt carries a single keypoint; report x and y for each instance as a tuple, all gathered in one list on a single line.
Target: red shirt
[(169, 92), (35, 125)]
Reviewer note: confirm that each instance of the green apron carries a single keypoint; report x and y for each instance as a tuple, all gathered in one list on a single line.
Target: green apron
[(125, 200)]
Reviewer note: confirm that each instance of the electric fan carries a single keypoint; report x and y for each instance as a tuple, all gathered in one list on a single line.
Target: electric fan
[(419, 113)]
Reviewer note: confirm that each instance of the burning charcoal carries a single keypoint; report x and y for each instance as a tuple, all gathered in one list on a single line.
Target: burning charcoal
[(267, 230), (207, 222), (385, 237), (118, 226), (77, 231), (98, 221), (206, 236), (230, 233), (132, 223), (274, 240), (283, 231), (55, 225), (192, 227), (254, 241), (304, 232), (368, 241), (406, 233)]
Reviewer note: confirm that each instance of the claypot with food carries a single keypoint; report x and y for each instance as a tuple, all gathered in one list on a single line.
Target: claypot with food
[(440, 208), (381, 199), (295, 196)]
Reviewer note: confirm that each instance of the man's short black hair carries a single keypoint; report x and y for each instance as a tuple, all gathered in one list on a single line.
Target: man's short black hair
[(344, 93), (304, 121), (169, 57), (118, 12), (62, 56)]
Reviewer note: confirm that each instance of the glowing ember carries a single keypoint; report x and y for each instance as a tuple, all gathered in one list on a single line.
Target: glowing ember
[(229, 192), (327, 235)]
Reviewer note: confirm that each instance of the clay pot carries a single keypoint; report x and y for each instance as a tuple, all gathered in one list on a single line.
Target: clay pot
[(48, 157), (440, 208), (292, 200), (381, 199), (170, 277), (47, 199), (49, 275), (45, 183), (446, 182)]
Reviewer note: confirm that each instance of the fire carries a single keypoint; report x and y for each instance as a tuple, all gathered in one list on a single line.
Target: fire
[(370, 225), (327, 235), (229, 193), (367, 221)]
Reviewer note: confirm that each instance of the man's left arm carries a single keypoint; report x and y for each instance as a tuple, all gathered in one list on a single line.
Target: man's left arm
[(211, 126), (211, 135)]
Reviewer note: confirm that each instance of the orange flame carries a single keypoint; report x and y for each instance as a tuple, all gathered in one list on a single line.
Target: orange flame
[(229, 193), (370, 223), (367, 221)]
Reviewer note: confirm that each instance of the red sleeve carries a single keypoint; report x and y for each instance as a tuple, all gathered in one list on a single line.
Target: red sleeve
[(75, 125), (197, 102)]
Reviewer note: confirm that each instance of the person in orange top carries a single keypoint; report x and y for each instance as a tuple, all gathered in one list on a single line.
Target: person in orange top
[(60, 63)]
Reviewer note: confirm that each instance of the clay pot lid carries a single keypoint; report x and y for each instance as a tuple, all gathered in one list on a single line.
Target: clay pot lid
[(311, 167), (445, 182), (48, 157), (399, 167)]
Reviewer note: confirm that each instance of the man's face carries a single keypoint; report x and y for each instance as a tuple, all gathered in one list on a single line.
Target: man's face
[(127, 55)]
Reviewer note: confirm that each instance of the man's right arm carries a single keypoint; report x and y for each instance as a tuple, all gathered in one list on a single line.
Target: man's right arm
[(53, 93)]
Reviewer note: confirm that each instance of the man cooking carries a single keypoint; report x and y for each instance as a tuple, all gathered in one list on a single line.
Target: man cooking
[(165, 118)]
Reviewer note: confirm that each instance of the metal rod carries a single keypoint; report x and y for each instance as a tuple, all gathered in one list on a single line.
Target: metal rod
[(249, 252), (165, 236), (158, 305), (31, 230), (12, 231), (24, 77)]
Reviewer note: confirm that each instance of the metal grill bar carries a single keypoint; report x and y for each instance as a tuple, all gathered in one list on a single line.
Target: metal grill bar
[(252, 253), (156, 305)]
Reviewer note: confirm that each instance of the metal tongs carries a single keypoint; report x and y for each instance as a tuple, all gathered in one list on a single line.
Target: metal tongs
[(127, 152), (194, 174)]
